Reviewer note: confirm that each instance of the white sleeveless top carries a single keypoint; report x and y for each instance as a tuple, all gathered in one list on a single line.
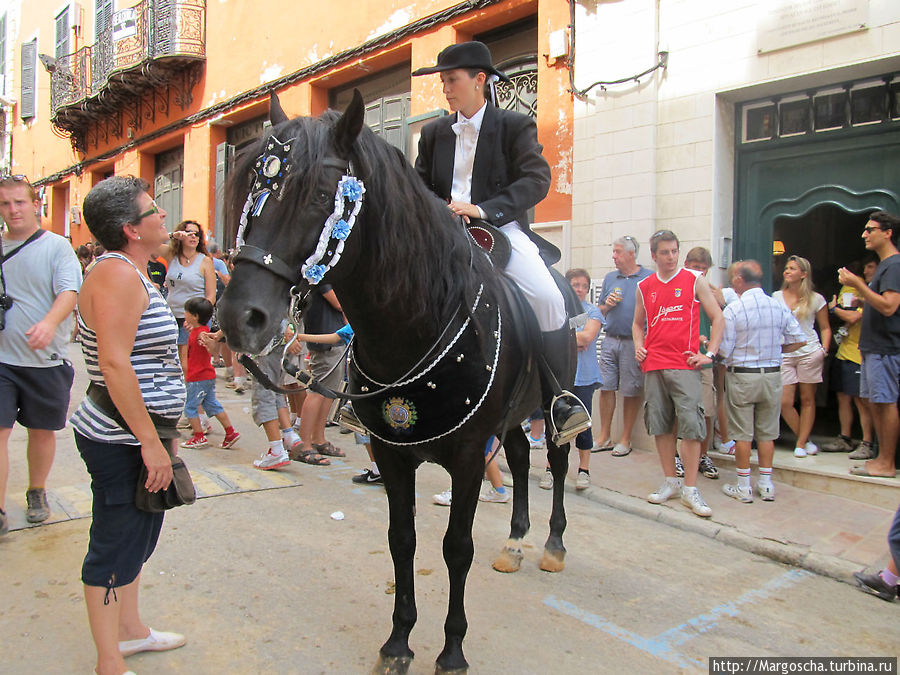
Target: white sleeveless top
[(154, 358), (184, 283)]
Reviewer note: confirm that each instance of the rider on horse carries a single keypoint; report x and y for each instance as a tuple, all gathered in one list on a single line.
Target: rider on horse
[(486, 163)]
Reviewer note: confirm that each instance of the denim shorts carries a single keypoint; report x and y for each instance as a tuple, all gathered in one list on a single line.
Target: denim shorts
[(878, 377), (619, 369), (36, 398), (122, 537), (201, 393)]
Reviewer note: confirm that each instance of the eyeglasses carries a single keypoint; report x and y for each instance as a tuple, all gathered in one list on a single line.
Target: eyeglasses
[(149, 212), (871, 228), (192, 233), (18, 178)]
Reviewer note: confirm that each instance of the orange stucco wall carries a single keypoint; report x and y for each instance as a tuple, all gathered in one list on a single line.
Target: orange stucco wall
[(245, 49)]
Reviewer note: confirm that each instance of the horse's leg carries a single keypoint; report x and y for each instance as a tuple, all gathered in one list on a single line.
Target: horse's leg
[(516, 447), (458, 552), (399, 475), (554, 556)]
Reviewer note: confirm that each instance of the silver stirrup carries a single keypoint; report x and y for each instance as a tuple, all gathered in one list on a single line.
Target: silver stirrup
[(577, 423)]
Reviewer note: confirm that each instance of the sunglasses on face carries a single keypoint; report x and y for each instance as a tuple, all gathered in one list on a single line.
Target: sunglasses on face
[(192, 233), (149, 212), (871, 228)]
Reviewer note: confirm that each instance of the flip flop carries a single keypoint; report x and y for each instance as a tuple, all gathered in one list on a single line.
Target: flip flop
[(606, 447), (621, 450), (862, 471), (327, 448)]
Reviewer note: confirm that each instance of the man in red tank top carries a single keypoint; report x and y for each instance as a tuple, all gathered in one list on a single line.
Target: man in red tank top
[(666, 344)]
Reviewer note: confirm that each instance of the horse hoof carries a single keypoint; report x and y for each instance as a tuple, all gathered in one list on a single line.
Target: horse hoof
[(452, 671), (509, 560), (553, 561), (391, 665)]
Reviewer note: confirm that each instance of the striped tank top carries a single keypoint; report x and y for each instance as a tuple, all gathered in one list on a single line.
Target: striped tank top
[(154, 358)]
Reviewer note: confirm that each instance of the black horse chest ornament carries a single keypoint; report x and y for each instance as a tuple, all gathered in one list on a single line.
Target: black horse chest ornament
[(444, 395)]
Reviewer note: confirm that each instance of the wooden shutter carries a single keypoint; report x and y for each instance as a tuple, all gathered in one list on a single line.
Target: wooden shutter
[(224, 157), (103, 11), (3, 53), (29, 58), (62, 33)]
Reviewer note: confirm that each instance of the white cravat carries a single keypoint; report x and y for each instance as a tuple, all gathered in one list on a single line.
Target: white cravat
[(466, 131)]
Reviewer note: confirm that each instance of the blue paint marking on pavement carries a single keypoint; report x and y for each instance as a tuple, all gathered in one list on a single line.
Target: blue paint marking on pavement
[(663, 645), (652, 646), (704, 622)]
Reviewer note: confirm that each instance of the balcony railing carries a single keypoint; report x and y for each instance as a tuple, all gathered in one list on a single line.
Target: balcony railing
[(165, 38)]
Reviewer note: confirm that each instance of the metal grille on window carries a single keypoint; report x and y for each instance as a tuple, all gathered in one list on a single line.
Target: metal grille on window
[(520, 93)]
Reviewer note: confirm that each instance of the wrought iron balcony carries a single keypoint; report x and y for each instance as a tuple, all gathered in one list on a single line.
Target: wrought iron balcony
[(132, 69)]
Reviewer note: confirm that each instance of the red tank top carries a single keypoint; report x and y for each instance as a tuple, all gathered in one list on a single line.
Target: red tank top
[(673, 320)]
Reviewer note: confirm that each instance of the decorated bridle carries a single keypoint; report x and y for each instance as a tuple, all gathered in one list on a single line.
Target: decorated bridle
[(271, 172)]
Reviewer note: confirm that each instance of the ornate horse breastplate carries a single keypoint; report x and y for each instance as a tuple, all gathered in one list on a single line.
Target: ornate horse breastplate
[(444, 395)]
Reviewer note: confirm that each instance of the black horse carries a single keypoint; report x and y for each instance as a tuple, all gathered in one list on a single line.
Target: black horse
[(429, 312)]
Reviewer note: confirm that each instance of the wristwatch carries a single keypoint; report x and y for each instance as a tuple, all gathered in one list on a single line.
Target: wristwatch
[(711, 355)]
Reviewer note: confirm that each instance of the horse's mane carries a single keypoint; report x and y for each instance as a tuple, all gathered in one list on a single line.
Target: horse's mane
[(413, 246)]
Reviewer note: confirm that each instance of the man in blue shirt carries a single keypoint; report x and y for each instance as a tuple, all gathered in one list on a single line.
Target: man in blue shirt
[(620, 370)]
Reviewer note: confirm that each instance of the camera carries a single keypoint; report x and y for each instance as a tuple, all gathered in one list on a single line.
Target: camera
[(5, 303)]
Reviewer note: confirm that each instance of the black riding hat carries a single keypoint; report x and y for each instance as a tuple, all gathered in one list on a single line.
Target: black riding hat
[(464, 55)]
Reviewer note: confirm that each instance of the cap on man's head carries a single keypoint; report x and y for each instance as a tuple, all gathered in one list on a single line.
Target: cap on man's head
[(465, 55)]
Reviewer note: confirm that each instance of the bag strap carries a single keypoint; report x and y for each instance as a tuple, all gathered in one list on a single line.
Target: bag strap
[(6, 256)]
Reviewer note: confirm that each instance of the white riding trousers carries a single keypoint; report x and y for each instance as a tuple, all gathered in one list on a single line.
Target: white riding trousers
[(527, 269)]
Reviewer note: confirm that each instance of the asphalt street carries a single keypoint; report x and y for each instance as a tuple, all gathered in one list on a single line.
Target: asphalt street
[(261, 578)]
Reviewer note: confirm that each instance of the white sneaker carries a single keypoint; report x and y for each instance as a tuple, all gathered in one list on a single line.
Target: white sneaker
[(582, 481), (546, 480), (800, 452), (737, 492), (767, 492), (442, 499), (670, 488), (811, 448), (270, 460), (490, 494), (691, 498), (727, 448)]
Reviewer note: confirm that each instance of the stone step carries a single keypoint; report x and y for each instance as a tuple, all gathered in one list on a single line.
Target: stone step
[(826, 472)]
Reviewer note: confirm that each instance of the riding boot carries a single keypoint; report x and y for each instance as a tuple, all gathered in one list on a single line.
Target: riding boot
[(564, 413)]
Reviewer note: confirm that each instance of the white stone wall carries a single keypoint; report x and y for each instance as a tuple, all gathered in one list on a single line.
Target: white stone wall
[(660, 154)]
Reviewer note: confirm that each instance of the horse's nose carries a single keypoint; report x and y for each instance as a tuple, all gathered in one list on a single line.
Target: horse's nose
[(255, 318)]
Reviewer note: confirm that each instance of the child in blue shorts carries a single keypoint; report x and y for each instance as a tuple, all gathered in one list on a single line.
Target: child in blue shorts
[(200, 378)]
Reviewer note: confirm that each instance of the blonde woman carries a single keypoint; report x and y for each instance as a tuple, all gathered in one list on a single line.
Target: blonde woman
[(803, 367)]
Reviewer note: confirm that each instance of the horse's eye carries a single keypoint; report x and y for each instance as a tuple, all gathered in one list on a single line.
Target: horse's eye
[(323, 198)]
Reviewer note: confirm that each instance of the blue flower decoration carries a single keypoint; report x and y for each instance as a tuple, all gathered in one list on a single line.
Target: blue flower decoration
[(351, 189), (341, 230), (314, 273)]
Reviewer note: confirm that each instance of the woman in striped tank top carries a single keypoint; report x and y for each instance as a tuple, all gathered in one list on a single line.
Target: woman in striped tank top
[(129, 344)]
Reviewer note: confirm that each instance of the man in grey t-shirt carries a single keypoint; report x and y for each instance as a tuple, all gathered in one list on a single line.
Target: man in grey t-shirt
[(42, 277)]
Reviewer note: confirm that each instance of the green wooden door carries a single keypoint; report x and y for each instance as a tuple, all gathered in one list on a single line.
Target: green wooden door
[(788, 182)]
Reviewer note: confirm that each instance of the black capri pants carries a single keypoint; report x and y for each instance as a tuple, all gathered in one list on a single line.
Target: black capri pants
[(122, 536)]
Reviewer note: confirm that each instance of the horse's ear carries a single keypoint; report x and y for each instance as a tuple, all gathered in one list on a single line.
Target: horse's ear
[(276, 114), (349, 125)]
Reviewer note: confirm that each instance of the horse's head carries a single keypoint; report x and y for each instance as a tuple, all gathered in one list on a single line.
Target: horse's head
[(298, 201)]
